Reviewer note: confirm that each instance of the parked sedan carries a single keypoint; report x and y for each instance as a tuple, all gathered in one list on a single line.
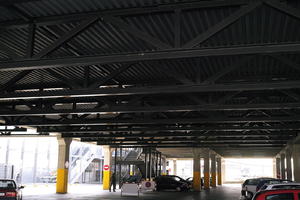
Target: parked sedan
[(280, 194), (171, 182), (9, 190)]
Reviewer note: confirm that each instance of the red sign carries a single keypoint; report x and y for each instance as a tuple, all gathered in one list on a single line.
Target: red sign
[(106, 167)]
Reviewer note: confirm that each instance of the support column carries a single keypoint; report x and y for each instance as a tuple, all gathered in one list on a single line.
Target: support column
[(219, 170), (164, 166), (296, 162), (288, 156), (174, 167), (107, 167), (278, 171), (213, 170), (196, 171), (282, 165), (63, 165), (206, 169)]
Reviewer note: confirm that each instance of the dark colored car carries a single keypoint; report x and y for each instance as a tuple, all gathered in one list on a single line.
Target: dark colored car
[(171, 182), (279, 194), (9, 190)]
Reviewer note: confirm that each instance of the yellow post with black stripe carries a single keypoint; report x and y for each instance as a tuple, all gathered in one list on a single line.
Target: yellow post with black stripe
[(206, 169), (213, 170), (63, 165), (219, 170), (196, 171), (107, 167)]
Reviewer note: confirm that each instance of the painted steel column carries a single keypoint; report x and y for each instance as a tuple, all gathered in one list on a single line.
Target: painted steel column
[(213, 170), (174, 167), (63, 165), (219, 170), (206, 169), (196, 170), (288, 156), (282, 165), (107, 167), (278, 171), (296, 162)]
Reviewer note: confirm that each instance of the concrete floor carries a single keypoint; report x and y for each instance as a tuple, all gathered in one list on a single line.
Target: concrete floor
[(93, 192)]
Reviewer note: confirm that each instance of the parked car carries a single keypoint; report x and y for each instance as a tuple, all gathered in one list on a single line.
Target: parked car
[(171, 182), (279, 194), (249, 187), (280, 186), (9, 190), (262, 183)]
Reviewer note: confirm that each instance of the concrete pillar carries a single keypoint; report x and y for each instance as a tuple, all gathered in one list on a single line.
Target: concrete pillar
[(278, 171), (196, 171), (288, 156), (282, 165), (164, 166), (219, 170), (107, 167), (206, 155), (174, 167), (63, 165), (296, 162), (213, 170), (223, 168)]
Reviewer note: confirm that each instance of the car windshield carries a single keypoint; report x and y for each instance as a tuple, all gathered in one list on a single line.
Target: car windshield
[(7, 184)]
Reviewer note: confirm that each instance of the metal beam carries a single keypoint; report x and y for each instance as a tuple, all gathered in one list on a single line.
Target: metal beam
[(72, 84), (275, 148), (149, 55), (50, 20), (220, 143), (96, 122), (66, 37), (222, 25), (13, 130), (14, 80), (129, 91), (184, 129), (111, 76), (182, 134), (241, 140), (151, 109), (284, 8)]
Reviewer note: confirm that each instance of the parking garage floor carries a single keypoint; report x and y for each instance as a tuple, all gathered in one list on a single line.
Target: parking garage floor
[(91, 192)]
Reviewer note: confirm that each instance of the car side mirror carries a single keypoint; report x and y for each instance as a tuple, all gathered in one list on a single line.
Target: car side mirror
[(21, 187)]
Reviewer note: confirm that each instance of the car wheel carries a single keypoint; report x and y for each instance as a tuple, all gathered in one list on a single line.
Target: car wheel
[(178, 189)]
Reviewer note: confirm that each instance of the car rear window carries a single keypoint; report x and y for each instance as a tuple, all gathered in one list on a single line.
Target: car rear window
[(253, 182), (284, 196), (7, 184)]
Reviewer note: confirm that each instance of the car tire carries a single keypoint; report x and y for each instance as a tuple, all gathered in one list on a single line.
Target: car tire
[(178, 189)]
